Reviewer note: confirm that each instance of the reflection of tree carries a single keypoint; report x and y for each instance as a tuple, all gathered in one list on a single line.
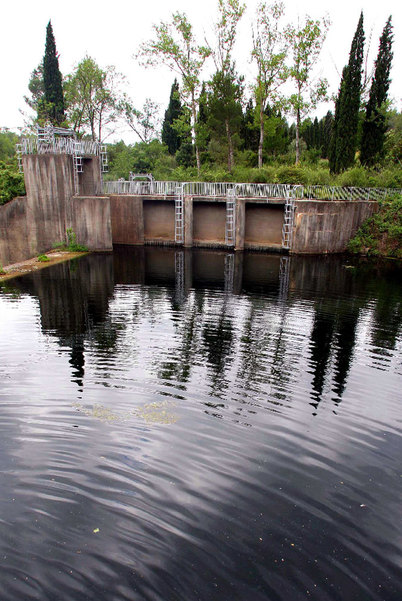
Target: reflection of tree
[(346, 338), (387, 314), (321, 344), (217, 337), (188, 330)]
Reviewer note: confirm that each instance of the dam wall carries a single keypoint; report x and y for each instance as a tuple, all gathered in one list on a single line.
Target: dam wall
[(33, 224)]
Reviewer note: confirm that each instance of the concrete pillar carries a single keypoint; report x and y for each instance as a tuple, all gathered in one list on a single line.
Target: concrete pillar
[(188, 221), (240, 223)]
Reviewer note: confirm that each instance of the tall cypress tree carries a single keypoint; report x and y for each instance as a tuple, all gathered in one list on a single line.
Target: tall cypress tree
[(52, 80), (174, 111), (344, 136), (374, 125)]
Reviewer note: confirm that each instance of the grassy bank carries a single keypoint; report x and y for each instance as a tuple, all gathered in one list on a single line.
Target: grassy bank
[(381, 235)]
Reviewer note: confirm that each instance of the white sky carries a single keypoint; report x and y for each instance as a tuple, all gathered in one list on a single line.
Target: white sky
[(111, 33)]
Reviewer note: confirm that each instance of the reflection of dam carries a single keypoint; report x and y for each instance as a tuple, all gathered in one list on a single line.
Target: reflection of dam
[(77, 298), (185, 269)]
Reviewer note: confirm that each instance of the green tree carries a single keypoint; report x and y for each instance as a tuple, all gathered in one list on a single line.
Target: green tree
[(174, 111), (305, 42), (176, 47), (36, 99), (144, 123), (202, 131), (374, 125), (94, 99), (269, 52), (344, 135), (249, 130), (52, 80), (225, 111), (226, 87)]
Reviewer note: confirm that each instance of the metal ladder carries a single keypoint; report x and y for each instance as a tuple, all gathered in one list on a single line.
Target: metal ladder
[(18, 150), (77, 164), (179, 215), (288, 221), (230, 217), (103, 158)]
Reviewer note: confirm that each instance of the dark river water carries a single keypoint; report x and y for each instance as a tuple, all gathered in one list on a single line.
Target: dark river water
[(182, 426)]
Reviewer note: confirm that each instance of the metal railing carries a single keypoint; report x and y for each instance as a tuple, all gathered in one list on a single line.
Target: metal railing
[(59, 146), (245, 190)]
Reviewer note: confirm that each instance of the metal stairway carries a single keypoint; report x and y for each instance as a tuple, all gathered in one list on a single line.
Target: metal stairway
[(288, 221), (230, 228), (179, 215)]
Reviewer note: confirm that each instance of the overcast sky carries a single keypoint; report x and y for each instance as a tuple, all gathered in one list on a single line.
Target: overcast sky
[(111, 33)]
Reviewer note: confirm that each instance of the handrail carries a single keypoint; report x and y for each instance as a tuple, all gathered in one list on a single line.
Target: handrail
[(247, 190)]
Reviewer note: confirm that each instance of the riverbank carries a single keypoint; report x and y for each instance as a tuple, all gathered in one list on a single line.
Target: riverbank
[(30, 265), (381, 234)]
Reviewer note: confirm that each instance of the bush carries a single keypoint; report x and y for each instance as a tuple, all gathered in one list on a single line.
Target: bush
[(11, 183), (291, 175), (382, 233)]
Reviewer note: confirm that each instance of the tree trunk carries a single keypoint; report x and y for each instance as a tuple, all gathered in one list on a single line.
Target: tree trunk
[(230, 146), (194, 120), (261, 142), (298, 136)]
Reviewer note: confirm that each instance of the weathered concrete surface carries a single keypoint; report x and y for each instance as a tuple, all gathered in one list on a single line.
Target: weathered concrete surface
[(158, 221), (90, 180), (327, 226), (263, 227), (49, 184), (31, 225), (127, 219), (240, 224), (209, 220), (14, 242), (188, 221), (91, 221)]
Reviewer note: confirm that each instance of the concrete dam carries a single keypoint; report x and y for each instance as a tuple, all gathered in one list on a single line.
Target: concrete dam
[(65, 189)]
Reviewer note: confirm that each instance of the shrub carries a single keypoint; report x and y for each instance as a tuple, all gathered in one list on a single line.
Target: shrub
[(43, 258), (11, 183), (382, 233), (291, 175)]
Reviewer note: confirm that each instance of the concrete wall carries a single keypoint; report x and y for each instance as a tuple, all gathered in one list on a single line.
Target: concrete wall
[(31, 225), (49, 184), (327, 226), (90, 180), (127, 219), (263, 226), (158, 220), (209, 219), (14, 240), (90, 219)]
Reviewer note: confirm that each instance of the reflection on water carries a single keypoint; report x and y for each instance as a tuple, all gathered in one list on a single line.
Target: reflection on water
[(182, 424)]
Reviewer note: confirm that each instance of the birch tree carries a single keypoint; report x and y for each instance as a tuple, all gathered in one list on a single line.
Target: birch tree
[(269, 53), (175, 46), (305, 42)]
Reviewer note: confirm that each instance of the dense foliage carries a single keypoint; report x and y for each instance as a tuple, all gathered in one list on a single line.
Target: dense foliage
[(374, 125), (347, 106), (11, 182), (381, 235), (52, 81)]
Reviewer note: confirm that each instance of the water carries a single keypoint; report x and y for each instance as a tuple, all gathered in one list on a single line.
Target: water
[(200, 426)]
